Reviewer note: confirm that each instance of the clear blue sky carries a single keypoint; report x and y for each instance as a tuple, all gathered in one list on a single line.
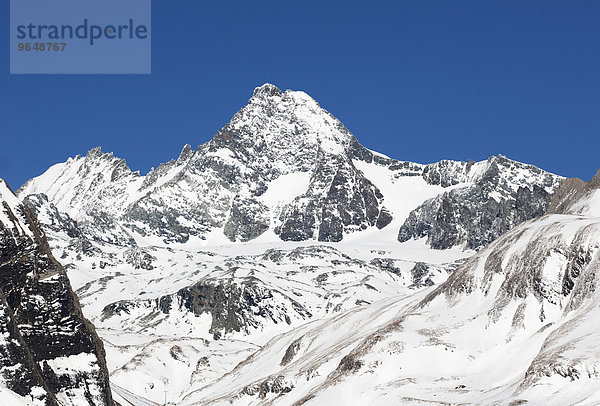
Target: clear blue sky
[(416, 80)]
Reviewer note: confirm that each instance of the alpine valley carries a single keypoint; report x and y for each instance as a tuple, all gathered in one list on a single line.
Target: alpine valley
[(283, 263)]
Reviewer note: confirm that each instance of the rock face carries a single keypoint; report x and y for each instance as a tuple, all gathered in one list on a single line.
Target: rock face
[(233, 307), (50, 353), (285, 166), (575, 196), (498, 195)]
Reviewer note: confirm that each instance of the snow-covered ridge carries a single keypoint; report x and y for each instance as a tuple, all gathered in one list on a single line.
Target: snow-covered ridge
[(232, 185), (11, 216)]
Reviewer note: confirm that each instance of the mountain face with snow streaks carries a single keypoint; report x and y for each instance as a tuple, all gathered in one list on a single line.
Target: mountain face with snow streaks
[(219, 185), (502, 194), (230, 186)]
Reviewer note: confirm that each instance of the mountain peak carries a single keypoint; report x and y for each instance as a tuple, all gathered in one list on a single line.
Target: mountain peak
[(288, 125), (97, 156), (186, 152), (595, 182), (267, 90), (95, 152)]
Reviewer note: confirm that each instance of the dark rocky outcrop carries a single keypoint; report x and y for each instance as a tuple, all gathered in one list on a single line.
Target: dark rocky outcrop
[(234, 307), (50, 352), (247, 220), (339, 200), (291, 352), (570, 192)]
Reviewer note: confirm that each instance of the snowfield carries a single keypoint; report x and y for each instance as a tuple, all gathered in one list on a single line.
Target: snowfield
[(504, 327)]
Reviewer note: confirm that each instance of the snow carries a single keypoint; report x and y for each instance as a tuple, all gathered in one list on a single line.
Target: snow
[(285, 188), (589, 205), (7, 197), (403, 193), (554, 266), (452, 351), (145, 347), (594, 204), (82, 362), (10, 398), (72, 185), (128, 398), (4, 195)]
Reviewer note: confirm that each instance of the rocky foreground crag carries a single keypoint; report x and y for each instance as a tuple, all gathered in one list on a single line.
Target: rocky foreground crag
[(49, 353)]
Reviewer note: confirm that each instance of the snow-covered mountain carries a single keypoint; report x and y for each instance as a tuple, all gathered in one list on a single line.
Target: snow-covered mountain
[(284, 166), (49, 354), (517, 323), (281, 224)]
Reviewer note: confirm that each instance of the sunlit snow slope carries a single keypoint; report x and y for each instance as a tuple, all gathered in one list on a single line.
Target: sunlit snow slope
[(516, 323)]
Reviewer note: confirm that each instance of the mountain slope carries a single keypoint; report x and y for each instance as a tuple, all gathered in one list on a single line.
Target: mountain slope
[(515, 323), (50, 353)]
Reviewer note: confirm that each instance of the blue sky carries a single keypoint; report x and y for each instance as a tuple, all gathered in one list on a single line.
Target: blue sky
[(416, 80)]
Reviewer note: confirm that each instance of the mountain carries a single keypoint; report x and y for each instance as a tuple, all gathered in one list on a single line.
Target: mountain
[(49, 353), (285, 167), (281, 223), (515, 324)]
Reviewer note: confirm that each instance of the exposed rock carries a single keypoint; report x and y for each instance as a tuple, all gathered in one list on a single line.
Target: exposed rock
[(52, 218), (419, 275), (291, 351), (505, 194), (50, 351), (247, 220), (277, 384), (233, 307), (572, 195), (139, 258)]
